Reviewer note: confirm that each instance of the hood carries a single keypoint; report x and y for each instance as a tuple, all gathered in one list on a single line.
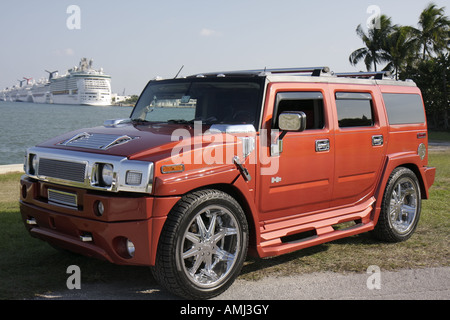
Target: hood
[(127, 140), (140, 141)]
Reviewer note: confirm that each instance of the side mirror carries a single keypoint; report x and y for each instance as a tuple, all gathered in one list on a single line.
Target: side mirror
[(292, 121), (287, 121), (116, 122)]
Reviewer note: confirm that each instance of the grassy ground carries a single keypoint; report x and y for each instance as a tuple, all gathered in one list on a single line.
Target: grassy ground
[(29, 266)]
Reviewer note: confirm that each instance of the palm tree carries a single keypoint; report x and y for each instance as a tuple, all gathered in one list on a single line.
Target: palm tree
[(400, 47), (433, 32), (374, 40)]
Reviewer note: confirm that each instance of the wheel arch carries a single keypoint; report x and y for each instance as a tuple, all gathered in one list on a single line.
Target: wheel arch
[(413, 163), (244, 202)]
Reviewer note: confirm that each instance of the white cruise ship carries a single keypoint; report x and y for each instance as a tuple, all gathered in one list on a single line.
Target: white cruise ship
[(80, 85)]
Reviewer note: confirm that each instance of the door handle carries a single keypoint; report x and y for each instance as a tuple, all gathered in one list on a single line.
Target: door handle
[(377, 140), (322, 145)]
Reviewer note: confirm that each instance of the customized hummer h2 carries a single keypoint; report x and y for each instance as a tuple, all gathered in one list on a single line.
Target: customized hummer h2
[(213, 166)]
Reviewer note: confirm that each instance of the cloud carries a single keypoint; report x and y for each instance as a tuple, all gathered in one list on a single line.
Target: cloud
[(207, 32), (64, 52)]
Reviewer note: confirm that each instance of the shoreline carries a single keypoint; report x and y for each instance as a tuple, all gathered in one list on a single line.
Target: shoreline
[(9, 168)]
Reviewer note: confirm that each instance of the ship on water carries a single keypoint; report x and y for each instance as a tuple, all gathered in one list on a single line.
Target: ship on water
[(80, 85)]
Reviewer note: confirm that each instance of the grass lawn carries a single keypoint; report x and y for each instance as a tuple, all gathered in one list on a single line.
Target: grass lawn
[(29, 267)]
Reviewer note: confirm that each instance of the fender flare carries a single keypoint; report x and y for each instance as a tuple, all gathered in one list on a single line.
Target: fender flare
[(412, 161)]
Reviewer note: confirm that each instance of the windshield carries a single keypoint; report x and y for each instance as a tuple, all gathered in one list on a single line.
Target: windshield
[(212, 101)]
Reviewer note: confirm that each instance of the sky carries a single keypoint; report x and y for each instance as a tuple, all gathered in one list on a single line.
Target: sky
[(135, 41)]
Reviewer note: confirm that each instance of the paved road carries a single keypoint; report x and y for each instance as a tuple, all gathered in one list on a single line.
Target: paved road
[(417, 284)]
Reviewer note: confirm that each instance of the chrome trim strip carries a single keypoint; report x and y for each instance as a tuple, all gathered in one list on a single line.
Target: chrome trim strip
[(120, 164)]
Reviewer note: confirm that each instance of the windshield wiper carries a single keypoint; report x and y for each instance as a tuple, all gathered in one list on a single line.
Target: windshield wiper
[(139, 121), (180, 121)]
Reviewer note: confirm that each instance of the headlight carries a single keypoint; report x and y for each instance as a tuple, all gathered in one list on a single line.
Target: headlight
[(32, 164), (133, 178), (106, 173)]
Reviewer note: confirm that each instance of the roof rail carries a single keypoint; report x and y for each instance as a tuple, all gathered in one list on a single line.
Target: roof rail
[(378, 75), (315, 71)]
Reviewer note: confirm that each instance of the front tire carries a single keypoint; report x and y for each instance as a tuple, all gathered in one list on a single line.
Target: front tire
[(401, 206), (203, 245)]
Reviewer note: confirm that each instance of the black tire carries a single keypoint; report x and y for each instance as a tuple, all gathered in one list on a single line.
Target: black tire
[(401, 206), (203, 245)]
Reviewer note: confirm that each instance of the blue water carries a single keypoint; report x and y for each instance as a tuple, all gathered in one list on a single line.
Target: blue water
[(23, 125)]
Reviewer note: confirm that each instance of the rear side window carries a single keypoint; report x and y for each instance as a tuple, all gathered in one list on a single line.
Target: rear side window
[(403, 108), (354, 109)]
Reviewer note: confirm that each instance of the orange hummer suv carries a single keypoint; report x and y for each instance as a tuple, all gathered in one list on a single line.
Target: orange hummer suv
[(213, 166)]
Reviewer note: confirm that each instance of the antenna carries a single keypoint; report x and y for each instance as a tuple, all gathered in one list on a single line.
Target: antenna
[(179, 71)]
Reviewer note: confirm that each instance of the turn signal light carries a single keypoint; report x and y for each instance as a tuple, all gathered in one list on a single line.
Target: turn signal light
[(172, 168)]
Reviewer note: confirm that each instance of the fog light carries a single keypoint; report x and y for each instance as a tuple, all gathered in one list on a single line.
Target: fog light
[(130, 248), (99, 208)]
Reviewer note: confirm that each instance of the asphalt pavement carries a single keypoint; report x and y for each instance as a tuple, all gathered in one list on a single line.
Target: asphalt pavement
[(413, 284)]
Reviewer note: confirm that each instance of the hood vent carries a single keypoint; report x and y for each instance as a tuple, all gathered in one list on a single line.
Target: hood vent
[(96, 141)]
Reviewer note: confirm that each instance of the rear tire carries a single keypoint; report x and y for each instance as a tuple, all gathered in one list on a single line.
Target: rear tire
[(203, 245), (401, 206)]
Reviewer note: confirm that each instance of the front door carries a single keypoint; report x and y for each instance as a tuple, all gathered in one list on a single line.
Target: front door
[(303, 180)]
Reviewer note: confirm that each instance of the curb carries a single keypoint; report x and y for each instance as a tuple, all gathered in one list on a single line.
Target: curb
[(11, 168)]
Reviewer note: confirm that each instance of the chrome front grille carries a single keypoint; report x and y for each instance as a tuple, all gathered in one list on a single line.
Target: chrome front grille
[(80, 170), (65, 170), (62, 198)]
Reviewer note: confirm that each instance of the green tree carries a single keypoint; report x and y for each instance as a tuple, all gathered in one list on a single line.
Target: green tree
[(374, 40), (433, 31), (400, 47)]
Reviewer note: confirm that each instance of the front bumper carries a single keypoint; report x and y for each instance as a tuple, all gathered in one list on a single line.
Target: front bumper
[(138, 218)]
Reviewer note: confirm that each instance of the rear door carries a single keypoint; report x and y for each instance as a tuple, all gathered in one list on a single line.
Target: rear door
[(360, 140)]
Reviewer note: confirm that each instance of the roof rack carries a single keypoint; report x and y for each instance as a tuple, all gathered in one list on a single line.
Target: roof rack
[(315, 71), (378, 75)]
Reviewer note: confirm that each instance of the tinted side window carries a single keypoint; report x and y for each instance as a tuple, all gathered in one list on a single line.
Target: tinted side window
[(311, 103), (354, 109), (404, 108)]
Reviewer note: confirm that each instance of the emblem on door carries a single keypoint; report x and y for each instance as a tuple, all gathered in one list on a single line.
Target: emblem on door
[(275, 179)]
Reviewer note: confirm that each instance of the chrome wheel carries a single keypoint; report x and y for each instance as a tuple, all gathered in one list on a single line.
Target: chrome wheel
[(403, 205), (203, 245), (400, 209), (210, 246)]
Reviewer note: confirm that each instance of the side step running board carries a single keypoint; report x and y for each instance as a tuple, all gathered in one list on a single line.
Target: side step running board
[(286, 235)]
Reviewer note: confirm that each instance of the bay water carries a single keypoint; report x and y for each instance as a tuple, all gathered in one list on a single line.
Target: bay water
[(23, 125)]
